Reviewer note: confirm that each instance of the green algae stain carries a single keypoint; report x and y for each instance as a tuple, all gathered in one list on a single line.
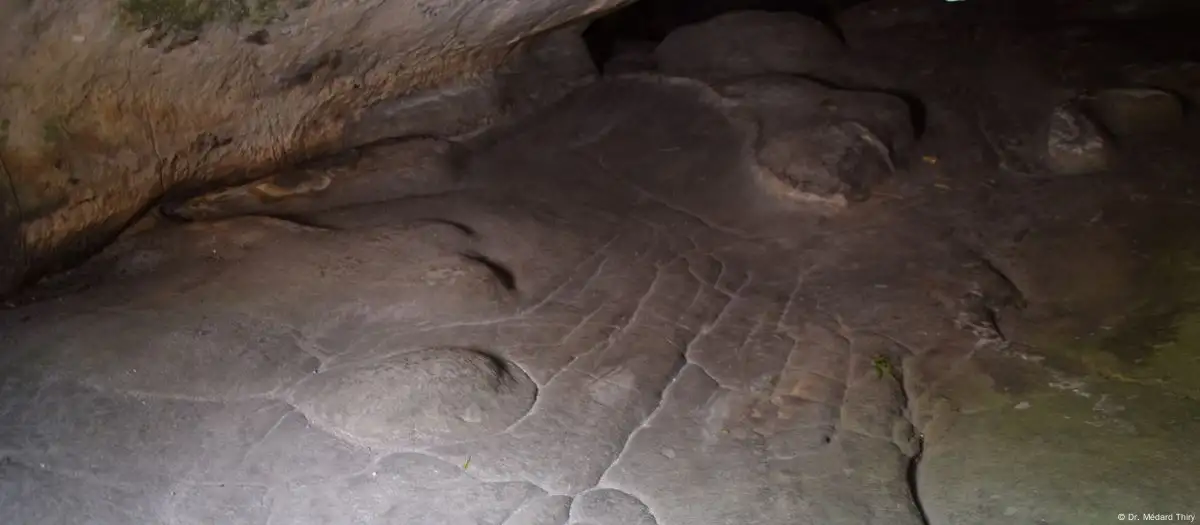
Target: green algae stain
[(1153, 337), (193, 15), (1149, 328), (54, 130), (1161, 337), (883, 367), (1168, 355)]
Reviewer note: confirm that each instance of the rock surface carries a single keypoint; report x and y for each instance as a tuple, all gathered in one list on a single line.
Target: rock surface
[(746, 43), (590, 334), (418, 398), (820, 142), (1075, 144), (1178, 77), (377, 409), (374, 173), (650, 336), (144, 99), (1137, 111)]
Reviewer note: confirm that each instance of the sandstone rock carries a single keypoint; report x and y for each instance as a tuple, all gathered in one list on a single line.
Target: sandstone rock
[(839, 159), (375, 173), (551, 66), (610, 507), (541, 71), (399, 490), (999, 449), (110, 104), (822, 142), (746, 43), (549, 510), (1137, 111), (695, 369), (1074, 144), (240, 355), (419, 398)]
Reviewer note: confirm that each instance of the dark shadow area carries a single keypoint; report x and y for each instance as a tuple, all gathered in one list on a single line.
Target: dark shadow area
[(917, 112), (652, 20)]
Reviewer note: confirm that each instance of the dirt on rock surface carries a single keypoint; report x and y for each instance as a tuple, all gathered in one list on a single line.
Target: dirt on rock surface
[(601, 315)]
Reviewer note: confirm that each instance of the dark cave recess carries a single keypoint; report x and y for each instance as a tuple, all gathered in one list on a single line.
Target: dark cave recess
[(652, 20)]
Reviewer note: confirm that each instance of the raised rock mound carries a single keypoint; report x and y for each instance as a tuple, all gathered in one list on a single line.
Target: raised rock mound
[(419, 398), (822, 143), (1074, 143)]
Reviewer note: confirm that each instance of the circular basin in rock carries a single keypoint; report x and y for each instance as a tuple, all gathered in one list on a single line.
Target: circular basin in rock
[(419, 398)]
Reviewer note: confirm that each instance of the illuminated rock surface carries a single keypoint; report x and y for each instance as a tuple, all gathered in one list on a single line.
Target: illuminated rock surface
[(610, 320)]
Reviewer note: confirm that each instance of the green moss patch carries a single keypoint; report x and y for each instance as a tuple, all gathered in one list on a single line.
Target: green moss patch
[(1152, 335), (193, 15)]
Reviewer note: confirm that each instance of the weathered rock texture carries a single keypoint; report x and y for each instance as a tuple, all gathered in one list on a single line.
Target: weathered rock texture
[(107, 105)]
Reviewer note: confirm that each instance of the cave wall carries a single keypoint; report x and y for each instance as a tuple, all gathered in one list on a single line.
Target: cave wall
[(108, 105)]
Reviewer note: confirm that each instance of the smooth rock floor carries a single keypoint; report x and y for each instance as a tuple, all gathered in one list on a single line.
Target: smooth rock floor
[(613, 323)]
